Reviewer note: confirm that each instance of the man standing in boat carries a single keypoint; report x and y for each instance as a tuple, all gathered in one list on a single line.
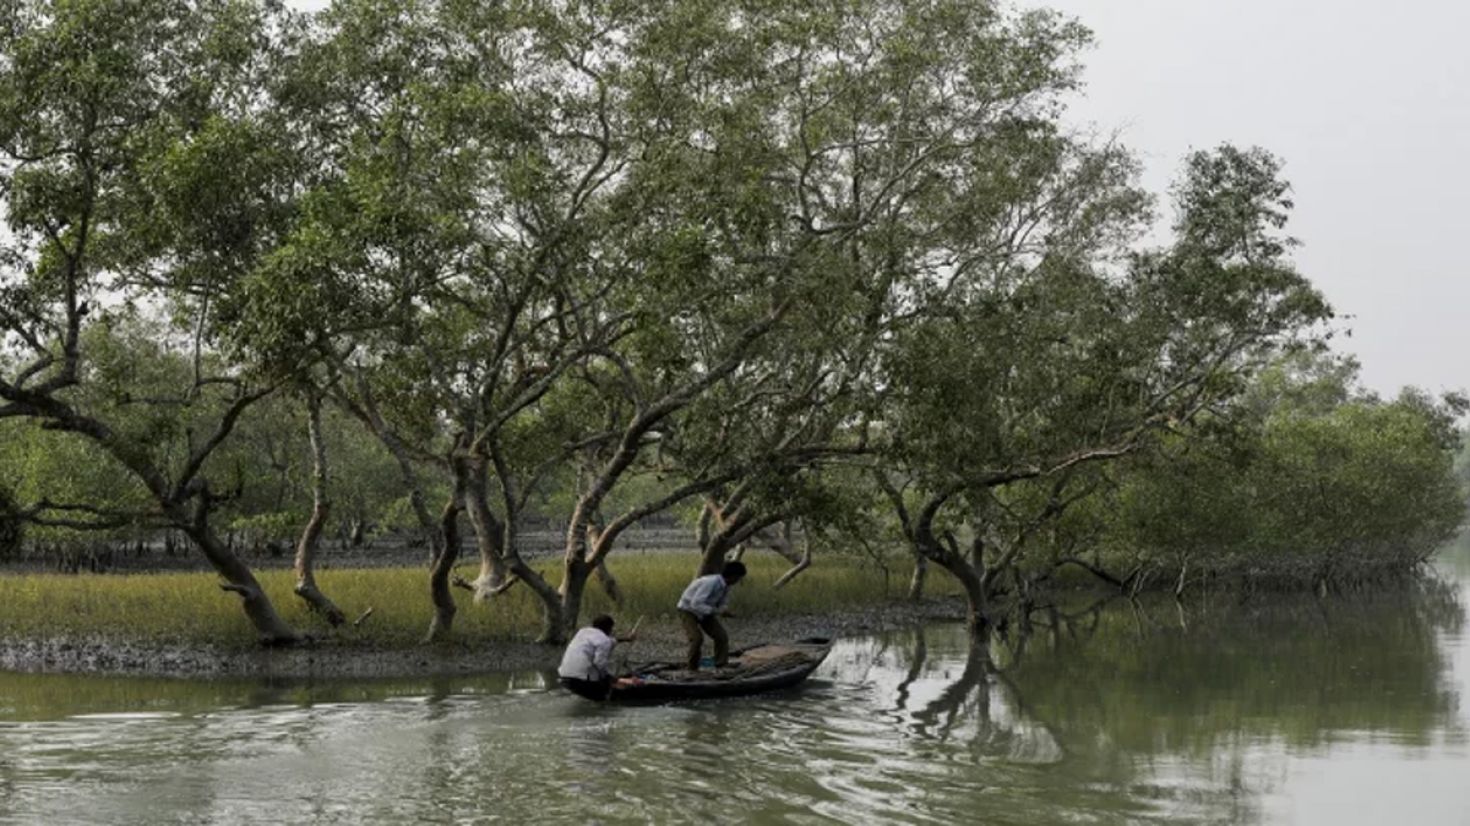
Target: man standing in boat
[(700, 609), (586, 666)]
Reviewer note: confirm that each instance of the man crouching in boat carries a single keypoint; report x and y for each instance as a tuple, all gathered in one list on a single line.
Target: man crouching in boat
[(585, 667), (700, 608)]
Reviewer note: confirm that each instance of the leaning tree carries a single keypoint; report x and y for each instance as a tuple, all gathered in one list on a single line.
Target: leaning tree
[(1063, 361), (143, 176)]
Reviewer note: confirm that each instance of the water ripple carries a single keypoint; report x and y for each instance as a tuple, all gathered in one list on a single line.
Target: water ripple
[(897, 729)]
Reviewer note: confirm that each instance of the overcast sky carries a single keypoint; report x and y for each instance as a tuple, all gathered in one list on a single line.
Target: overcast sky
[(1367, 103)]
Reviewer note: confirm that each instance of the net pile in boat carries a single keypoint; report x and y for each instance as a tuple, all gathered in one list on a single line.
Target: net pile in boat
[(747, 668)]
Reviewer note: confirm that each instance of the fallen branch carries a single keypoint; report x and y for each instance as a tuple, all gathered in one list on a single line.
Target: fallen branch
[(460, 582), (357, 623)]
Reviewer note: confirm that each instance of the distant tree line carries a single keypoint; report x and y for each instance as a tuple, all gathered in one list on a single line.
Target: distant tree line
[(780, 270)]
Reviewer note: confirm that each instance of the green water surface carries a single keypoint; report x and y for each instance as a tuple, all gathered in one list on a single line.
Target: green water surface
[(1277, 710)]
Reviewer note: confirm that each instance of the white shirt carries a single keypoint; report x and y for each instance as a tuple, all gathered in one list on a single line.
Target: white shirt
[(705, 596), (587, 655)]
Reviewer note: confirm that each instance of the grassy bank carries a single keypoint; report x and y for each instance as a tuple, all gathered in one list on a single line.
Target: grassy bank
[(189, 609)]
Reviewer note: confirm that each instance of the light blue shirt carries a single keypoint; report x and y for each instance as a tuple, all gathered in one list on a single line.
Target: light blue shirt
[(587, 655), (705, 596)]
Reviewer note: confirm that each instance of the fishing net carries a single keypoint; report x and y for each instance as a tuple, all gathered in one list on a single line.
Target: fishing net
[(758, 662)]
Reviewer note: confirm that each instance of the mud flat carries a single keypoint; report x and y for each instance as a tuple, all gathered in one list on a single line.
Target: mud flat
[(659, 638)]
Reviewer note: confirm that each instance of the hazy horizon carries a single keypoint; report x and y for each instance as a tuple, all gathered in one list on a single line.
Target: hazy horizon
[(1369, 110)]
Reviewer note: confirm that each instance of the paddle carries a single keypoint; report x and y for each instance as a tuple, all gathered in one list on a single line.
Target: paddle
[(633, 634)]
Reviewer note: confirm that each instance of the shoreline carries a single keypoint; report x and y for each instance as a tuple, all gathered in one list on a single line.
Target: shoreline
[(660, 639)]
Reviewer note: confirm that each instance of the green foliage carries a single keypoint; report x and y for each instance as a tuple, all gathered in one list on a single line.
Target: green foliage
[(267, 463), (630, 255), (142, 179), (266, 529), (1322, 482), (398, 515), (38, 464), (1010, 385)]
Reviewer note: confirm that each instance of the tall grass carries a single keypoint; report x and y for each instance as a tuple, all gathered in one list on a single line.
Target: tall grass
[(189, 608)]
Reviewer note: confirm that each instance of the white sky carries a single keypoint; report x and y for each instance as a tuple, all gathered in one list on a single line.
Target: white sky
[(1367, 103)]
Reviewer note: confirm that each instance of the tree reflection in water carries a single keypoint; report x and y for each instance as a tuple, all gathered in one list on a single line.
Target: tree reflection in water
[(1151, 696), (981, 705), (1155, 676)]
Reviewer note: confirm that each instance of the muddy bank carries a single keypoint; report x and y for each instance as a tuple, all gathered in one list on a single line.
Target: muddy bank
[(659, 638)]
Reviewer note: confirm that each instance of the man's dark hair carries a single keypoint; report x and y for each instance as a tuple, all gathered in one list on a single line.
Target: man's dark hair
[(603, 623), (733, 570)]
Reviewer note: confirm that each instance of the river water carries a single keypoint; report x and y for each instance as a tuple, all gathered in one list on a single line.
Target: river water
[(1300, 711)]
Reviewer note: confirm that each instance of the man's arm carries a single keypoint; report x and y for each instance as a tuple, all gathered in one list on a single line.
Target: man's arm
[(600, 658)]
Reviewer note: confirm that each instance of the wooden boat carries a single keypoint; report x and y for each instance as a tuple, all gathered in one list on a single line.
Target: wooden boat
[(758, 668)]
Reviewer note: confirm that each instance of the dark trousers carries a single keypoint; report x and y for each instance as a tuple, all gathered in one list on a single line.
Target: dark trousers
[(695, 628), (591, 689)]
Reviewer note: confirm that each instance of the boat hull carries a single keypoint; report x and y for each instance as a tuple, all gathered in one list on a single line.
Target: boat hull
[(754, 670)]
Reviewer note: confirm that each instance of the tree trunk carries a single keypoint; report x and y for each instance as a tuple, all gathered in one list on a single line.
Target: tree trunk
[(795, 570), (573, 586), (921, 573), (367, 412), (171, 495), (906, 524), (306, 547), (549, 597), (712, 556), (440, 594), (605, 479), (489, 534), (600, 571), (800, 564), (259, 609), (926, 544), (783, 544), (977, 619), (609, 583), (510, 552)]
